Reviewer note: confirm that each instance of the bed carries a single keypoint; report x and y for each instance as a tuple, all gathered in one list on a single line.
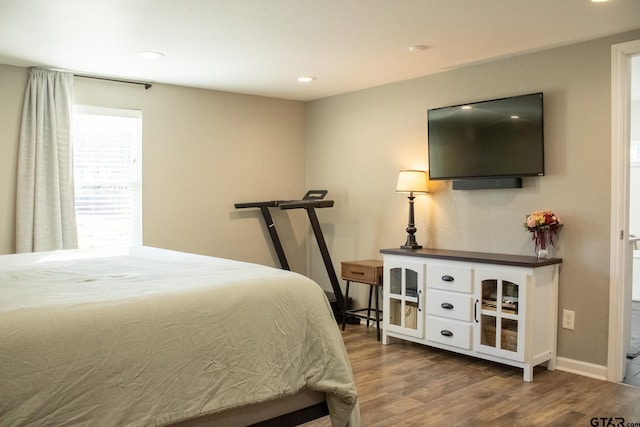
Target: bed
[(151, 337)]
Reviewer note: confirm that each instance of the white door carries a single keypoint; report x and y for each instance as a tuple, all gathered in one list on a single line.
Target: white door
[(620, 268), (500, 315), (403, 310)]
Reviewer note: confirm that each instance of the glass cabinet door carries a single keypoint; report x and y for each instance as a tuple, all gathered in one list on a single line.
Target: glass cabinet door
[(404, 284), (499, 315)]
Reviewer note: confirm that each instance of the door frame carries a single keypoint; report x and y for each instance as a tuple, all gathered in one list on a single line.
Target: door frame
[(619, 266)]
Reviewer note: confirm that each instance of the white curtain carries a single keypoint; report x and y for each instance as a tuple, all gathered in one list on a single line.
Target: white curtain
[(45, 208)]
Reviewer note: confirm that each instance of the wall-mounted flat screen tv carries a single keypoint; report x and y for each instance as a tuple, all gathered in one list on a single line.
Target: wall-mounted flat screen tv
[(489, 139)]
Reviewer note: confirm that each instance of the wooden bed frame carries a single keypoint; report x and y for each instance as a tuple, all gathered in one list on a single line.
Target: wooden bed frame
[(300, 408)]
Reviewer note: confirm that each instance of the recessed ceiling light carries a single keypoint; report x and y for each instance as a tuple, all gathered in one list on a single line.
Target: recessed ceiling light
[(148, 54), (598, 1), (418, 48), (466, 107), (515, 117), (306, 79)]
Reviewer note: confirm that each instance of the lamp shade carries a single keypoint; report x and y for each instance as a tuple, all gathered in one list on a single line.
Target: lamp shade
[(412, 181)]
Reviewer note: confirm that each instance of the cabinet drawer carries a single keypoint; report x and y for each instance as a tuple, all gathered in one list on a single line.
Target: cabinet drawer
[(452, 305), (449, 278), (449, 332), (367, 271)]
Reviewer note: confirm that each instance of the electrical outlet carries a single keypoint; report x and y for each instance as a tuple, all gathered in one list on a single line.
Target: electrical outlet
[(568, 319)]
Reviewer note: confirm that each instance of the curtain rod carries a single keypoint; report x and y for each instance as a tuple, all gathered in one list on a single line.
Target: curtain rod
[(84, 76)]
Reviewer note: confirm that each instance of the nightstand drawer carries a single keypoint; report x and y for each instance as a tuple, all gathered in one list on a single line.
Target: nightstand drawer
[(457, 279), (452, 305), (366, 271), (450, 332)]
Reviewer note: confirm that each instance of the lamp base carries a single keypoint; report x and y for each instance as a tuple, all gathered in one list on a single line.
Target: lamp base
[(416, 246), (411, 242)]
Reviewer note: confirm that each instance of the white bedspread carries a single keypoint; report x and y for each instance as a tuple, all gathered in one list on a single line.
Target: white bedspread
[(145, 336)]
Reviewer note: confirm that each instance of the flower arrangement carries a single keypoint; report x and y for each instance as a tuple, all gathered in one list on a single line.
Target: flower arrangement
[(544, 227)]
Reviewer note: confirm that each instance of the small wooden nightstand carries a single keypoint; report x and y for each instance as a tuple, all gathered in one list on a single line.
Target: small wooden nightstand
[(368, 272)]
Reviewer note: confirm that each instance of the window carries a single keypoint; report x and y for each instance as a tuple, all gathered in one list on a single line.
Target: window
[(106, 156)]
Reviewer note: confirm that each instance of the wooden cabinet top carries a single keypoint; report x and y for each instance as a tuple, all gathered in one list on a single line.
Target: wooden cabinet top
[(480, 257)]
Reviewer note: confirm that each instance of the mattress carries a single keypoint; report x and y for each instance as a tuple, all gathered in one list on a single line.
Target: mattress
[(146, 336)]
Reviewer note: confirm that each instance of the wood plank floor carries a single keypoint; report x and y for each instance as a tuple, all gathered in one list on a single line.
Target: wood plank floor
[(406, 385)]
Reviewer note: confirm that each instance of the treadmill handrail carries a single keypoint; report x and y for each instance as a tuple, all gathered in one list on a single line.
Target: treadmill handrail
[(310, 203)]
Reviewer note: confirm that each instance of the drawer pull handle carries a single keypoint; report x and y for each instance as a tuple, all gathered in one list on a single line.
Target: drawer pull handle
[(446, 333), (447, 278), (447, 306), (357, 272)]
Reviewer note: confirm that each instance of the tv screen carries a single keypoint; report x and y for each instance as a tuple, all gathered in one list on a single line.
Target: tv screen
[(488, 139)]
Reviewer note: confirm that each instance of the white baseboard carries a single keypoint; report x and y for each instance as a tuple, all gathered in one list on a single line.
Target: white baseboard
[(586, 369)]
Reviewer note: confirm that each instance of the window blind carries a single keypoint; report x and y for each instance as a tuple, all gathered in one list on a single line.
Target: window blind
[(106, 154)]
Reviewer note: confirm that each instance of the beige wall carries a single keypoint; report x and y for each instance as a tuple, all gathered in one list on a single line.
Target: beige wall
[(12, 85), (203, 151), (357, 142)]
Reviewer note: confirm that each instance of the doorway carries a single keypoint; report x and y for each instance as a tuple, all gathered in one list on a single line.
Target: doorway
[(632, 374), (621, 267)]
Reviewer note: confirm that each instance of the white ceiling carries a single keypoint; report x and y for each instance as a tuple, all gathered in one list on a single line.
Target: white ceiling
[(261, 46)]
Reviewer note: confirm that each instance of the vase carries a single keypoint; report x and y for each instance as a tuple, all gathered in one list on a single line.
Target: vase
[(543, 243)]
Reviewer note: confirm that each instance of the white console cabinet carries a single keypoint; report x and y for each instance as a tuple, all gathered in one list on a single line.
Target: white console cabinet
[(497, 307)]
